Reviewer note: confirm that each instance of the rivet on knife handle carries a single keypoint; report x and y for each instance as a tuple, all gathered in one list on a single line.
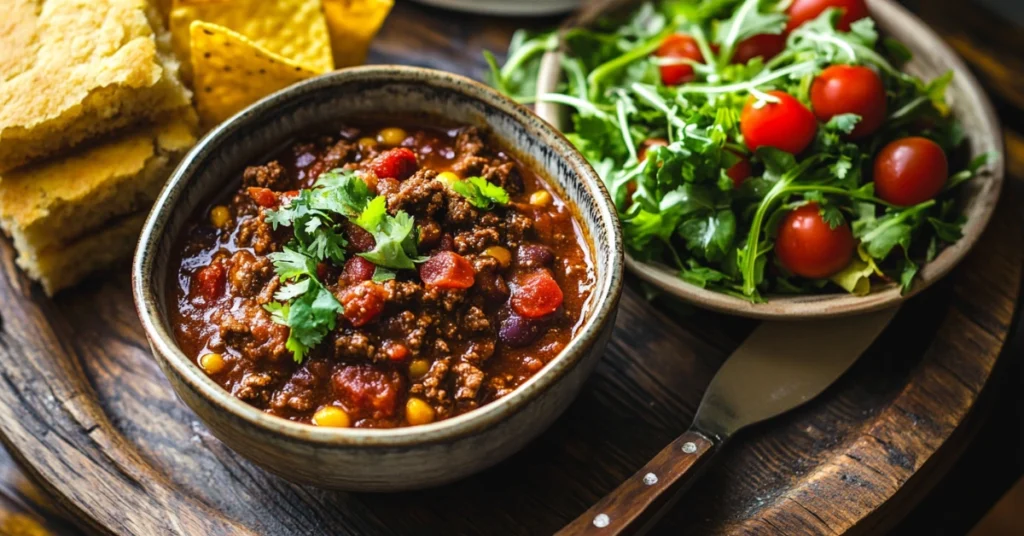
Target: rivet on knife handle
[(627, 509)]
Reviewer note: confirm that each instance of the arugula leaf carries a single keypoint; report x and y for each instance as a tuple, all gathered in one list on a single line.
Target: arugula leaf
[(480, 193), (395, 240)]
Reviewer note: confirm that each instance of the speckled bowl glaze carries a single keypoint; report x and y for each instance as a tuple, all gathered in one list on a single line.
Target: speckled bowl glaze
[(402, 458), (970, 104)]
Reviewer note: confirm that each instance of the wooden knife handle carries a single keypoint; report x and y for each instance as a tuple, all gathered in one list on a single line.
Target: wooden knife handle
[(639, 501)]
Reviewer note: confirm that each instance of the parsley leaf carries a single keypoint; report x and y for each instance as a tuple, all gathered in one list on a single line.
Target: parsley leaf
[(480, 193)]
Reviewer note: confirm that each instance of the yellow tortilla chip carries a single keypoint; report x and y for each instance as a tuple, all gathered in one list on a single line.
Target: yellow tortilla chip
[(295, 29), (353, 25), (231, 72)]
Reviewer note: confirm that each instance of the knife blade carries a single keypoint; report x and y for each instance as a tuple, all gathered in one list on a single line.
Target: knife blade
[(779, 367)]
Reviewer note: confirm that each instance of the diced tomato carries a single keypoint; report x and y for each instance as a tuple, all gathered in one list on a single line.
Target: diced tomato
[(447, 270), (396, 351), (359, 240), (209, 281), (263, 197), (367, 391), (363, 303), (357, 270), (399, 163), (740, 171), (537, 295)]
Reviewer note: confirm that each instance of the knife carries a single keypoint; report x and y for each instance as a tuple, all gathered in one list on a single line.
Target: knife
[(780, 366)]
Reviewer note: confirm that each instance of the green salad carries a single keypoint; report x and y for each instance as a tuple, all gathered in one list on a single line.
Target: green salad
[(760, 147)]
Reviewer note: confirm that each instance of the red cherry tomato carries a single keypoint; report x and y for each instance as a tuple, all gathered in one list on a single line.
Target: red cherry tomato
[(910, 170), (808, 247), (363, 302), (447, 270), (786, 125), (536, 295), (263, 197), (649, 144), (767, 46), (801, 11), (678, 46), (850, 89), (209, 281), (399, 163), (740, 171)]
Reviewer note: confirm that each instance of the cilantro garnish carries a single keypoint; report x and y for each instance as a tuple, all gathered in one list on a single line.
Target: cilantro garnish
[(303, 303), (480, 193), (677, 204), (309, 310)]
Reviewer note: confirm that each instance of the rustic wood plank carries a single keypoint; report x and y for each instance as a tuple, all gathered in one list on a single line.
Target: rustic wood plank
[(97, 423)]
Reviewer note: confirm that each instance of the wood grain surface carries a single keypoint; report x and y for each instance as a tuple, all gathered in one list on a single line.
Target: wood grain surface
[(87, 413)]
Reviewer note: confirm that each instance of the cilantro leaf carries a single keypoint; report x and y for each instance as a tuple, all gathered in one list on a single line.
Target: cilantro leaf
[(395, 246), (309, 317), (480, 193)]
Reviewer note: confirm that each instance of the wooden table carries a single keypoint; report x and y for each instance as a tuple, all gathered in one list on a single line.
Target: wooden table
[(792, 446)]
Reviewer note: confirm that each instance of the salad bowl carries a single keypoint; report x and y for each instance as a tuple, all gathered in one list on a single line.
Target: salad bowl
[(932, 57)]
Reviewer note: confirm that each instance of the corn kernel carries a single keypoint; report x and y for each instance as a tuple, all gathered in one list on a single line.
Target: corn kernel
[(212, 363), (540, 198), (448, 178), (419, 368), (367, 143), (418, 412), (500, 254), (219, 216), (331, 417), (391, 136)]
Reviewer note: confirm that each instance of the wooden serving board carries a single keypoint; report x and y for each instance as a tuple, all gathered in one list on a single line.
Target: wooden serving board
[(87, 413)]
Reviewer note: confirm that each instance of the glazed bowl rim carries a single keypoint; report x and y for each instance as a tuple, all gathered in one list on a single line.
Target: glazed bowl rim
[(607, 287)]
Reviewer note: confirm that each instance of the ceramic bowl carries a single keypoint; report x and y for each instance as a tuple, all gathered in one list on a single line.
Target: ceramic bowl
[(970, 104), (401, 458)]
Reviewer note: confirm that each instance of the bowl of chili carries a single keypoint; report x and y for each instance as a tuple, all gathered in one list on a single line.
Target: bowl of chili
[(384, 278)]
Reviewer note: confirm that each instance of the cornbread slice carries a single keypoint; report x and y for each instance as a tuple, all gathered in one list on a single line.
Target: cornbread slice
[(73, 69), (53, 202), (63, 265)]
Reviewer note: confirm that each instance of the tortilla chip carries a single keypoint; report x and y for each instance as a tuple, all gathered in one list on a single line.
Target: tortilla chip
[(294, 29), (231, 72), (353, 25)]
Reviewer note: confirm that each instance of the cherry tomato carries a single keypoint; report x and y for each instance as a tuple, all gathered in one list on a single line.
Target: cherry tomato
[(448, 270), (363, 302), (649, 144), (801, 11), (786, 125), (740, 171), (537, 295), (767, 46), (808, 247), (263, 197), (910, 170), (850, 89), (678, 46), (399, 163)]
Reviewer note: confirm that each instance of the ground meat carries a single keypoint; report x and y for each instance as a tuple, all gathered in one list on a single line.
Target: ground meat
[(247, 274), (504, 175), (420, 195), (476, 320), (468, 379), (249, 329), (255, 387), (299, 392), (478, 351), (353, 345), (257, 234), (517, 226), (271, 176), (460, 212), (476, 240)]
